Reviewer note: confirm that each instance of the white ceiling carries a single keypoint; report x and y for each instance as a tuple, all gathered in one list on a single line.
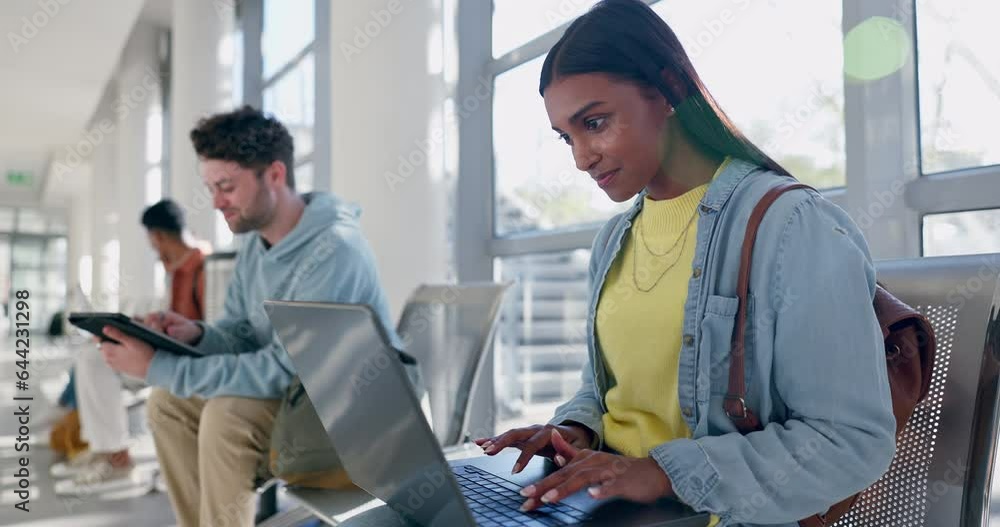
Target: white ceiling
[(51, 83)]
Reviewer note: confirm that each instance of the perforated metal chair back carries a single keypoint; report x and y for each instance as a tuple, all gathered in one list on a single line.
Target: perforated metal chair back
[(942, 471), (448, 329)]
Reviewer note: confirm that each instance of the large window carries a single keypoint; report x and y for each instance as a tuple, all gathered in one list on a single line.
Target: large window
[(538, 186), (33, 258), (972, 232), (518, 21), (789, 99), (959, 83), (776, 68), (541, 345), (287, 43)]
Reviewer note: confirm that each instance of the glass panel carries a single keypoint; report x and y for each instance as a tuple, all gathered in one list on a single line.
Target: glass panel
[(30, 221), (234, 41), (6, 220), (541, 343), (55, 283), (56, 252), (28, 252), (29, 279), (784, 87), (537, 183), (515, 22), (154, 135), (959, 67), (292, 100), (154, 185), (304, 178), (973, 232), (223, 236), (289, 26), (159, 282), (57, 224)]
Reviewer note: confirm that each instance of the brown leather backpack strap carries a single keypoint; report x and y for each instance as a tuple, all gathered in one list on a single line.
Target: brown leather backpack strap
[(735, 401)]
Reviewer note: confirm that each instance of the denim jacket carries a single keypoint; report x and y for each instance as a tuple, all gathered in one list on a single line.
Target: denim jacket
[(815, 364)]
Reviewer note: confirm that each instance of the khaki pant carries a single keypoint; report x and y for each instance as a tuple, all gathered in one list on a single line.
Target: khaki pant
[(209, 452)]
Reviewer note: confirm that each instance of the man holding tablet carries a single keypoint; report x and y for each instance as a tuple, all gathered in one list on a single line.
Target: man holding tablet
[(211, 416)]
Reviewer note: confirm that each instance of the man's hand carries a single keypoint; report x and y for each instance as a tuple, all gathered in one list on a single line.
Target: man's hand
[(131, 357), (605, 475), (532, 440), (174, 325)]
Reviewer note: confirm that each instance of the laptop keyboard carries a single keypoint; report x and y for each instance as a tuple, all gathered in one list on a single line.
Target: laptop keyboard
[(495, 502)]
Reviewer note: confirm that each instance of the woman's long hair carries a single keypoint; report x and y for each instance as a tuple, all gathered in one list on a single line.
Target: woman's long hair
[(628, 40)]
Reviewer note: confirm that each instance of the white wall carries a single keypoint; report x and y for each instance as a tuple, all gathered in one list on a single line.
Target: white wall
[(387, 92), (201, 84)]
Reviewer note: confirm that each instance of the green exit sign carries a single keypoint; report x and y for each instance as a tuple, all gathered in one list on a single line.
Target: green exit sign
[(19, 178)]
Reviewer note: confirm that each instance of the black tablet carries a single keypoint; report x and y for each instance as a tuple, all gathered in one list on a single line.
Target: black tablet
[(95, 322)]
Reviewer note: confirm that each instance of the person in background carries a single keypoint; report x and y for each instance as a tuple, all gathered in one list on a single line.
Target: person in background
[(184, 263), (102, 412)]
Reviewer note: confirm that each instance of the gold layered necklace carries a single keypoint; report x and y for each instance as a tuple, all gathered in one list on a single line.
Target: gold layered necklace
[(681, 241)]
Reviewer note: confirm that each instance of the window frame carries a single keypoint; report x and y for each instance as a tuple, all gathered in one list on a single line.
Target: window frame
[(251, 19)]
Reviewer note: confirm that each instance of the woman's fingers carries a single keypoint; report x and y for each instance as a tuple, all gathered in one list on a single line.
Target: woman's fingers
[(506, 439), (584, 472), (562, 447), (529, 448)]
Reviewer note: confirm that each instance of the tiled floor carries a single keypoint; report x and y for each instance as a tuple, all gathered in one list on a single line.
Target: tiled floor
[(48, 366)]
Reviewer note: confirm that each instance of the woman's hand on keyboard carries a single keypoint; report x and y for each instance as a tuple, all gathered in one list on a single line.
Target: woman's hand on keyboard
[(535, 440), (604, 475)]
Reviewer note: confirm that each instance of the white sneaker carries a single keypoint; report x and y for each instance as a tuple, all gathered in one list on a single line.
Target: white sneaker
[(66, 469), (98, 478)]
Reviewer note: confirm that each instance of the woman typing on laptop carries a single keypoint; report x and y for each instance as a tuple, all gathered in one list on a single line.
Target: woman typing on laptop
[(654, 417)]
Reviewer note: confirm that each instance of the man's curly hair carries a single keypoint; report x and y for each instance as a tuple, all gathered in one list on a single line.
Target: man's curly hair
[(248, 137)]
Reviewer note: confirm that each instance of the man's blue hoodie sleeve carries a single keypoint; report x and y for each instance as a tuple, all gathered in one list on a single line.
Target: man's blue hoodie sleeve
[(242, 367)]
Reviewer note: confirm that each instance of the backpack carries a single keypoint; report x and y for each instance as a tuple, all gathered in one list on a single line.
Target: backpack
[(909, 352), (301, 453)]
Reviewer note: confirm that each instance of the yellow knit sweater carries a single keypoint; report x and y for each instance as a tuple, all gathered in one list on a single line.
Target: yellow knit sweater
[(640, 318)]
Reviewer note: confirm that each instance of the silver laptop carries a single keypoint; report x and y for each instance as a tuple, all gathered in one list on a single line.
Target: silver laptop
[(361, 394)]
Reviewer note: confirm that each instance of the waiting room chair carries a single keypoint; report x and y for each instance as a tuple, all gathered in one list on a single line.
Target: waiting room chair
[(449, 329), (943, 467)]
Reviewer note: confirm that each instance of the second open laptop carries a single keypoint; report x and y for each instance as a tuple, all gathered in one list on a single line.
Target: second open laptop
[(362, 396)]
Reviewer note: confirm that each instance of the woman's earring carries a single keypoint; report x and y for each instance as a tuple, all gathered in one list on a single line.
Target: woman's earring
[(670, 110)]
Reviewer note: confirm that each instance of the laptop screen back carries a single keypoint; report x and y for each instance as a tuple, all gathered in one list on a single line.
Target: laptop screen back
[(363, 398)]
